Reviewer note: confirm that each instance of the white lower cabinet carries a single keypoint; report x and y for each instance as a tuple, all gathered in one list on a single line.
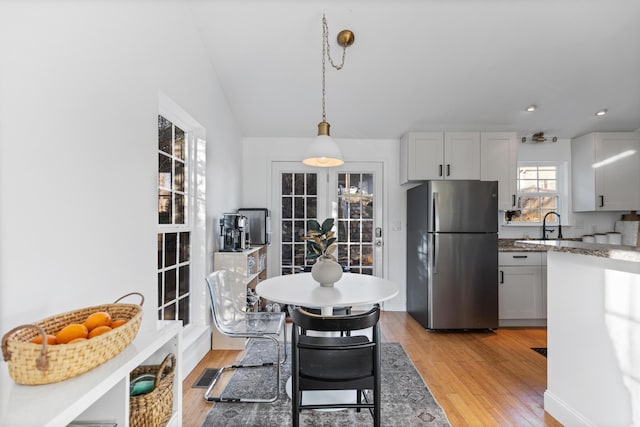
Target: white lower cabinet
[(522, 289)]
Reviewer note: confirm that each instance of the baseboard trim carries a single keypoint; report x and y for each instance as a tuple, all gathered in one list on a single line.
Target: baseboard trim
[(523, 323), (564, 413)]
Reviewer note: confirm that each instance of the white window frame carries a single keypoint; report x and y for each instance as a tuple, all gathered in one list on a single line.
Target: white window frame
[(195, 215), (562, 193), (187, 226)]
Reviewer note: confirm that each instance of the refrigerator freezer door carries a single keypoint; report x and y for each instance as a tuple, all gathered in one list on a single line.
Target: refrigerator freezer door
[(463, 285), (463, 206)]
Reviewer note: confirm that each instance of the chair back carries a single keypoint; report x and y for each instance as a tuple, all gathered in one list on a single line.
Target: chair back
[(315, 322), (228, 297)]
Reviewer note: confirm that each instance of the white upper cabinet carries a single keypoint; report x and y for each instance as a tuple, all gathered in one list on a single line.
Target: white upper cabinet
[(439, 155), (461, 155), (605, 171), (498, 162)]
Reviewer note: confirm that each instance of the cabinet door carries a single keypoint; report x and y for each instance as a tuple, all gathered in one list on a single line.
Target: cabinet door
[(422, 156), (498, 152), (618, 175), (583, 176), (520, 292), (461, 155)]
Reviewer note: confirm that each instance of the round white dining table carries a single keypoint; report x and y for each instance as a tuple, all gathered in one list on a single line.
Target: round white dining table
[(352, 289)]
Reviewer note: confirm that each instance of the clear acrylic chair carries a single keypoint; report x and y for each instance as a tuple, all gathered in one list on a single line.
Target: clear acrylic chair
[(228, 295)]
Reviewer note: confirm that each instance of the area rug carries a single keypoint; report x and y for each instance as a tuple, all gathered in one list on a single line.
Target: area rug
[(406, 400)]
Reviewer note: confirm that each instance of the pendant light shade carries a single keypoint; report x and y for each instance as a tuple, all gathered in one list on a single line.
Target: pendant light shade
[(323, 150)]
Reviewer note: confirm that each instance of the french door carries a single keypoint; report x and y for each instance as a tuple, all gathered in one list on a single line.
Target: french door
[(351, 194)]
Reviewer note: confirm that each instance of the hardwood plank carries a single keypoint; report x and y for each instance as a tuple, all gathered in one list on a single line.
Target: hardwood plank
[(479, 378)]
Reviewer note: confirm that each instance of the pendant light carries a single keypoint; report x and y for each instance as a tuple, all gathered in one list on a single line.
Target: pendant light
[(323, 150)]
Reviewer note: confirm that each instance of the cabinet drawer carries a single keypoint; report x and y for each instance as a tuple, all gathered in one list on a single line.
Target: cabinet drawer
[(520, 258)]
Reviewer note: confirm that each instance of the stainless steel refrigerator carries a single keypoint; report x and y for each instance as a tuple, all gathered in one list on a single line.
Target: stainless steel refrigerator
[(452, 254)]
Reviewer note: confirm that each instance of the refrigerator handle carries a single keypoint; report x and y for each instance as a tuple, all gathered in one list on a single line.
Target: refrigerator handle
[(436, 211), (436, 253)]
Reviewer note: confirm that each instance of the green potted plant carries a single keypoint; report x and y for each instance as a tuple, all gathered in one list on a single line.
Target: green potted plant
[(321, 244), (320, 239)]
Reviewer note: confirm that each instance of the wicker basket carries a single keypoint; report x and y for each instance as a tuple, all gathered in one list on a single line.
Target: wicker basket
[(44, 364), (154, 409)]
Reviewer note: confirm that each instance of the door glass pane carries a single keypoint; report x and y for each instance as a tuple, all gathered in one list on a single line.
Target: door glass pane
[(295, 211), (298, 184), (355, 221), (312, 184), (287, 184)]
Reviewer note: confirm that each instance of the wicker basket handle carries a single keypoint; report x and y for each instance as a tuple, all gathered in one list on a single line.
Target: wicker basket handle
[(131, 293), (169, 358), (42, 362)]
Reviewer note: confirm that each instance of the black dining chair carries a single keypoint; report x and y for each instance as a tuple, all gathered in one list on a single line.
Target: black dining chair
[(228, 298), (335, 362)]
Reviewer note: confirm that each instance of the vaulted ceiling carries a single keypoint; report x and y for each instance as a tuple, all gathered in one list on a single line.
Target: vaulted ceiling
[(427, 65)]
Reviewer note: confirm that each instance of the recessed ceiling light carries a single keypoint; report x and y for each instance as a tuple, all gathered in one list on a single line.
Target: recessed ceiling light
[(531, 108), (602, 112)]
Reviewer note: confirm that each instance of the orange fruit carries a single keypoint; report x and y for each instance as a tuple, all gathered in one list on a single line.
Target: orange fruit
[(51, 339), (99, 330), (118, 322), (71, 332), (77, 340), (99, 318)]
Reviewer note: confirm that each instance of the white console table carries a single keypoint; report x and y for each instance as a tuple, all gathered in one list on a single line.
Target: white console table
[(99, 394)]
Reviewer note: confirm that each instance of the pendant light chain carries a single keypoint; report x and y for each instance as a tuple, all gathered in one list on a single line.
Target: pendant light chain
[(326, 53)]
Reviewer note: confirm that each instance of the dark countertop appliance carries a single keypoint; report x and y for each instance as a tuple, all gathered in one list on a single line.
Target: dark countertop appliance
[(234, 235), (452, 254), (259, 223)]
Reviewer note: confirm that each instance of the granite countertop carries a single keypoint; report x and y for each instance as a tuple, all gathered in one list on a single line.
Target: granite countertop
[(509, 245), (617, 252)]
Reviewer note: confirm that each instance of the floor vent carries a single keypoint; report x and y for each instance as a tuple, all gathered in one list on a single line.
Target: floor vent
[(205, 378), (541, 350)]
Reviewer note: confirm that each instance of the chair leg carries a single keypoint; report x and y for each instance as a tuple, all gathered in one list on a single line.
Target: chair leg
[(295, 410), (220, 398), (284, 336)]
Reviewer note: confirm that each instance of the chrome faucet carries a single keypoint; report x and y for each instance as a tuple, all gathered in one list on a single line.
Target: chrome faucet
[(545, 229)]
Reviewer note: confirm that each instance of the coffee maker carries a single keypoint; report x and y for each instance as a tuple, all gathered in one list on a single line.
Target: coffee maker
[(234, 232)]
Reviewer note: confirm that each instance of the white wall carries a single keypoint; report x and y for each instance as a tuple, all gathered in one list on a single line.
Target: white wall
[(79, 88), (259, 153)]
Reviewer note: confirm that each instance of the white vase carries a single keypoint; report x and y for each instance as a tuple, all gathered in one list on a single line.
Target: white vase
[(326, 271)]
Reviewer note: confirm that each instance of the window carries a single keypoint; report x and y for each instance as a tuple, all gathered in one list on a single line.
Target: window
[(174, 230), (539, 187)]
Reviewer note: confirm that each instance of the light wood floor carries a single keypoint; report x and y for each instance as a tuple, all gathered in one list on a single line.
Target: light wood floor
[(479, 378)]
